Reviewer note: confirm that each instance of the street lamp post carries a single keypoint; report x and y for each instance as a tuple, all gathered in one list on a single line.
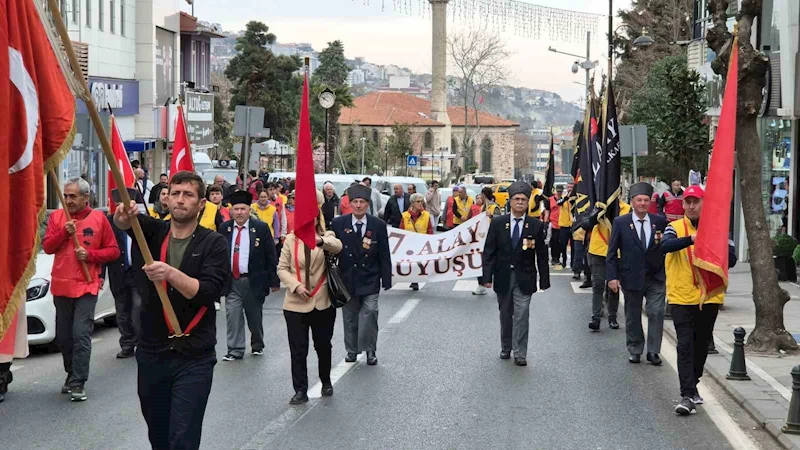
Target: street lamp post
[(363, 145), (326, 99), (586, 65), (386, 164)]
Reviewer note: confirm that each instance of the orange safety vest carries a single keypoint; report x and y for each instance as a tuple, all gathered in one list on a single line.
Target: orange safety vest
[(673, 206)]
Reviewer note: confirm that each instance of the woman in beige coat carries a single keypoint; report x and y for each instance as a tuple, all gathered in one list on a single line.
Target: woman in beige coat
[(305, 308)]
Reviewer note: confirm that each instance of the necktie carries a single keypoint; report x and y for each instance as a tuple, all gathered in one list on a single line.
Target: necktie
[(642, 236), (515, 234), (359, 225), (127, 251), (236, 272)]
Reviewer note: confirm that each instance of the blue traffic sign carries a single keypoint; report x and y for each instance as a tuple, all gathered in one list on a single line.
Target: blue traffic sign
[(413, 160)]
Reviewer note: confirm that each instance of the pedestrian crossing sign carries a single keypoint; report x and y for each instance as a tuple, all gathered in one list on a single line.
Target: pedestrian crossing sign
[(413, 160)]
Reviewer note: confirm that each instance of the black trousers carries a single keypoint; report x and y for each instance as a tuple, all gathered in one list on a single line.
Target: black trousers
[(555, 245), (173, 393), (297, 325), (694, 328), (74, 325)]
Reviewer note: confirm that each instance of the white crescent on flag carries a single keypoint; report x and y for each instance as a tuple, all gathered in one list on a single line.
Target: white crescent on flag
[(24, 83)]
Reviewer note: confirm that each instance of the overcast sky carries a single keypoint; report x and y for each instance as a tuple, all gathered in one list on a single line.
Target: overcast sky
[(389, 37)]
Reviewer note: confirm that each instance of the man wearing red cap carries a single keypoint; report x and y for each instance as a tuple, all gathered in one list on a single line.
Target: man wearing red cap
[(694, 325)]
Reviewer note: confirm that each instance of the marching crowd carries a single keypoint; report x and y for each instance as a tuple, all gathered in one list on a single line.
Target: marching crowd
[(239, 243)]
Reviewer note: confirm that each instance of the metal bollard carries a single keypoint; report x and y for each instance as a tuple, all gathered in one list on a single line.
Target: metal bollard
[(738, 370), (793, 421)]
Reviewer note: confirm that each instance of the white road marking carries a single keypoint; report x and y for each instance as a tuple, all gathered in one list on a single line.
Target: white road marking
[(15, 368), (465, 285), (406, 286), (783, 390), (576, 288), (96, 340), (724, 422), (561, 274)]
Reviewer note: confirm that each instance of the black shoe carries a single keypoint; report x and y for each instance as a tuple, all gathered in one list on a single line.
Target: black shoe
[(520, 362), (586, 284), (685, 407), (230, 357), (66, 388), (415, 286), (612, 323), (635, 359), (711, 349), (371, 359), (654, 359), (697, 400), (78, 394), (594, 325), (299, 398), (2, 397), (327, 390), (5, 379), (125, 353), (576, 276), (505, 355), (351, 357)]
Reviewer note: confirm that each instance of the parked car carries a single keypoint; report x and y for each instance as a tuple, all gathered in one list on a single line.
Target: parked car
[(386, 184)]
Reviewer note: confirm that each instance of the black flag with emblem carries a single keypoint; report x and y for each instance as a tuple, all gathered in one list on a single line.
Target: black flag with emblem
[(610, 162), (550, 175)]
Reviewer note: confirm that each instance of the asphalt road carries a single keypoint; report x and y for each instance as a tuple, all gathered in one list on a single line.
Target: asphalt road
[(439, 384)]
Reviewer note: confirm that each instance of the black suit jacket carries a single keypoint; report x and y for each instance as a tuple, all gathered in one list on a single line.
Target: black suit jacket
[(116, 269), (364, 270), (499, 256), (635, 261), (392, 214), (262, 267)]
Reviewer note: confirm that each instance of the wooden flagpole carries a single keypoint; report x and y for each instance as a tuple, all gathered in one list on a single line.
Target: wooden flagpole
[(75, 241), (112, 161)]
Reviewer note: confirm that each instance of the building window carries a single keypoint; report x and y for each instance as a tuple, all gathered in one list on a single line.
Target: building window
[(88, 13), (375, 136), (486, 155), (122, 17), (113, 6), (203, 66), (453, 146), (428, 139), (76, 11), (100, 12)]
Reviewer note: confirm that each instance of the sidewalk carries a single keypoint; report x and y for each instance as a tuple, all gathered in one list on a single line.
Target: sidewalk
[(766, 397)]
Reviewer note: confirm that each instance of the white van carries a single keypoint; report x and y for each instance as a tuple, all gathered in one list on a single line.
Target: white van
[(201, 162)]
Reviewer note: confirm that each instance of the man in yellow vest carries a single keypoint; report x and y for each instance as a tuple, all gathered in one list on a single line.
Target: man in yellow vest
[(462, 207), (416, 219), (564, 229), (598, 248), (694, 325)]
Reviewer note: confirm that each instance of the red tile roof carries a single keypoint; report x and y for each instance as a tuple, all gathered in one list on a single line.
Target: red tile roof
[(388, 108)]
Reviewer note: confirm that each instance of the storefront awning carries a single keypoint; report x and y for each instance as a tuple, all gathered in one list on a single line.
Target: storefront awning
[(140, 145)]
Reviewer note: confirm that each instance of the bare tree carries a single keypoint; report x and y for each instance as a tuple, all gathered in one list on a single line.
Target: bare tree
[(477, 58), (769, 333)]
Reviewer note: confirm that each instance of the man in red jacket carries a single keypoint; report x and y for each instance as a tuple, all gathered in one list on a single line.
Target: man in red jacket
[(73, 296)]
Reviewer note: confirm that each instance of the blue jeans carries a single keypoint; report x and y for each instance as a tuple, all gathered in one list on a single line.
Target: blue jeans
[(173, 393)]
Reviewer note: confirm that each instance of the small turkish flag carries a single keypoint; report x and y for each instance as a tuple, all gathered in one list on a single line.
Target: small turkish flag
[(123, 163), (181, 149), (37, 113)]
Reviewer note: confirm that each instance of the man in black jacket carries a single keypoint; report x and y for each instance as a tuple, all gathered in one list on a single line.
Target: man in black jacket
[(366, 265), (254, 268), (514, 252), (396, 206), (330, 207), (127, 298), (193, 263)]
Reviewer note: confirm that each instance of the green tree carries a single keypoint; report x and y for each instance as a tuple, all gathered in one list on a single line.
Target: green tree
[(331, 74), (332, 69), (222, 129), (672, 105), (351, 154), (262, 79), (400, 144)]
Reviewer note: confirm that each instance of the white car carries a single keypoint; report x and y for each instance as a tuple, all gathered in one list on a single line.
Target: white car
[(40, 310)]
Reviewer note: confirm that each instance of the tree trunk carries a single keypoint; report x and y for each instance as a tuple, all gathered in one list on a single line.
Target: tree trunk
[(769, 333)]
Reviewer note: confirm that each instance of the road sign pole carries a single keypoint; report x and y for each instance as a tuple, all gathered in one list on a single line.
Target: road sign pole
[(246, 152), (633, 150)]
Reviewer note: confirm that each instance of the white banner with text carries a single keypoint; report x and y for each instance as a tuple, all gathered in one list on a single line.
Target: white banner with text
[(453, 255)]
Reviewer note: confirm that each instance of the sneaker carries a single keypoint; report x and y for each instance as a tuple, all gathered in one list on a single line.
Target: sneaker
[(594, 325), (612, 323), (230, 357), (479, 291), (685, 407), (258, 352), (697, 399), (78, 394)]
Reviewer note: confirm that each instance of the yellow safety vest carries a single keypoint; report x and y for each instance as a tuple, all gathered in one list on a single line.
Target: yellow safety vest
[(209, 216), (490, 209), (463, 209), (155, 215), (683, 283), (421, 224), (535, 210), (565, 216), (601, 234), (265, 215)]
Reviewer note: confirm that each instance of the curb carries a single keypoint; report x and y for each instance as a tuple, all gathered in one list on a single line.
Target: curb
[(772, 426)]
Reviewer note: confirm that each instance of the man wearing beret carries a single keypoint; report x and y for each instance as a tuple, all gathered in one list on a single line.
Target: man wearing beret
[(366, 266), (639, 271), (515, 251)]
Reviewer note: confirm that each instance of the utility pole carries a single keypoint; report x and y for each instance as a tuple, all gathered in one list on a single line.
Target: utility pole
[(363, 145)]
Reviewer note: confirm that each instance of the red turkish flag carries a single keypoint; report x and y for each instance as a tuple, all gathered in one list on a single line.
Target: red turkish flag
[(118, 147), (711, 243), (36, 129), (306, 208), (181, 149)]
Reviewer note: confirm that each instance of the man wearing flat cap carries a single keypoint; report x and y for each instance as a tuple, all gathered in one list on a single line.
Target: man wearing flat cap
[(254, 265), (515, 251), (639, 271), (366, 266)]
